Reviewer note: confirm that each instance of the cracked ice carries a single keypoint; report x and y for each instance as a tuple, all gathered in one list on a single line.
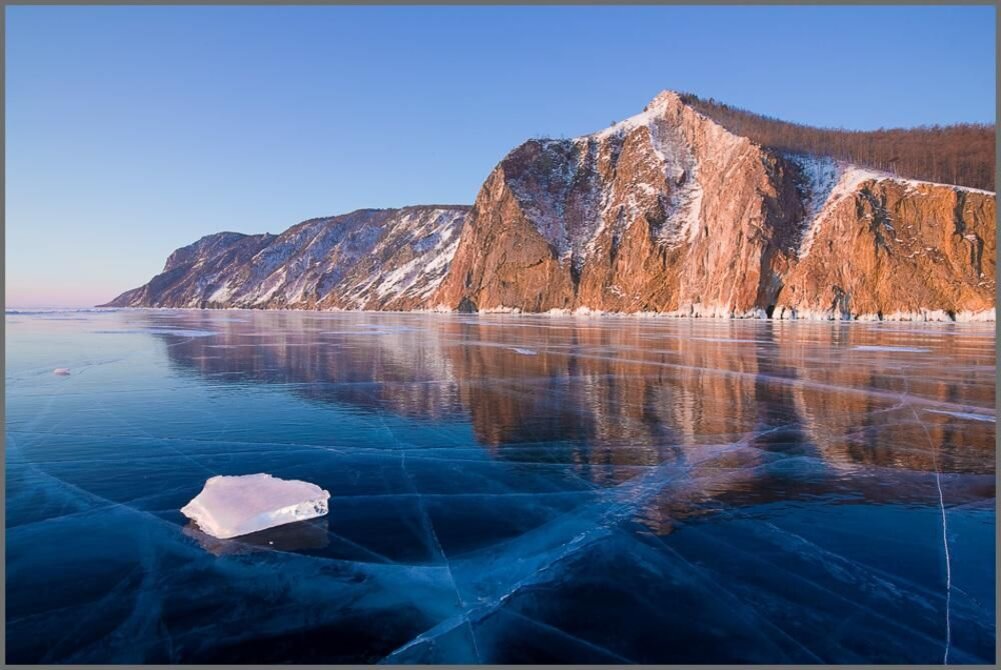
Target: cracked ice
[(502, 489)]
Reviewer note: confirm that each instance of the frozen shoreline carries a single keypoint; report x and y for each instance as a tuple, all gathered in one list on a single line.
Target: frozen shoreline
[(693, 312)]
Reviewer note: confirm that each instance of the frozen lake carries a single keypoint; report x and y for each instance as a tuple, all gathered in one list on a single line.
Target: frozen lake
[(503, 489)]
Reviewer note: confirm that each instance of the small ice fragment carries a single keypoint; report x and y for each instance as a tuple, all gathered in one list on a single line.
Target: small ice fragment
[(524, 352), (232, 506), (888, 347), (62, 372)]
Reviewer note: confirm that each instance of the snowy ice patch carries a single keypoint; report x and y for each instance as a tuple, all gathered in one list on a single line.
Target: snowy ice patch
[(972, 317), (62, 372), (501, 309), (232, 506)]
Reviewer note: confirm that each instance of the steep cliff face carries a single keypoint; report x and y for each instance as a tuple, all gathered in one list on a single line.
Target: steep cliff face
[(368, 259), (669, 212), (666, 212), (891, 248)]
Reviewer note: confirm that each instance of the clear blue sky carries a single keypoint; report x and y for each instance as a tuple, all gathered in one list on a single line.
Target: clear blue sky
[(135, 130)]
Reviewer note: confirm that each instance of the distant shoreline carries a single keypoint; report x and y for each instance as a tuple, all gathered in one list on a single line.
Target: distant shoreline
[(929, 317)]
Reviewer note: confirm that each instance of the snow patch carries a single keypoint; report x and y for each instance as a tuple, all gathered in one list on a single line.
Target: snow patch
[(825, 181), (973, 317), (573, 203), (428, 239), (684, 198), (715, 311), (221, 294), (500, 309), (784, 312), (655, 110)]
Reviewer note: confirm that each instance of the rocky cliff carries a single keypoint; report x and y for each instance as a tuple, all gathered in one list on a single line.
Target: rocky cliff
[(368, 259), (666, 212)]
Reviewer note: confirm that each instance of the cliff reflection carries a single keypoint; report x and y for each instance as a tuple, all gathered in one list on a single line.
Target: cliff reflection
[(613, 396)]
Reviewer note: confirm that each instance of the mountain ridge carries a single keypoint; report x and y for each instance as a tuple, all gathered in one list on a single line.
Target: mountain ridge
[(962, 151), (665, 212)]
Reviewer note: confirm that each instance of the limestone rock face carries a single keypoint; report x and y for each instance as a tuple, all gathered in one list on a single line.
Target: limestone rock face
[(666, 212)]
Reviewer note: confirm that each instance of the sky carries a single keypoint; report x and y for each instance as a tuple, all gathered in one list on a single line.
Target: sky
[(131, 131)]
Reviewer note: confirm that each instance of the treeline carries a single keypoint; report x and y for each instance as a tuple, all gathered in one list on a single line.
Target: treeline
[(961, 154)]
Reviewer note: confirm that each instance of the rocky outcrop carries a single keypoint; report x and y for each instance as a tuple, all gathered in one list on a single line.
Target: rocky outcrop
[(191, 271), (368, 259), (896, 249), (666, 212)]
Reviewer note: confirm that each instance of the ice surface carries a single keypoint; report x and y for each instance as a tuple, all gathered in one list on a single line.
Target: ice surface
[(179, 332), (238, 505), (298, 536), (964, 415), (641, 490)]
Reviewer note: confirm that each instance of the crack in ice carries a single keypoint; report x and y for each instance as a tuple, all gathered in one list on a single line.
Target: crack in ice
[(945, 542)]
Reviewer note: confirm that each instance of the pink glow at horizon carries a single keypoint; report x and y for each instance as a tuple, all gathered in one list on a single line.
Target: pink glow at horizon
[(55, 297)]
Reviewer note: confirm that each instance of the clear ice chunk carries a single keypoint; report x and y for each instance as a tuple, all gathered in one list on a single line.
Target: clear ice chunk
[(230, 506)]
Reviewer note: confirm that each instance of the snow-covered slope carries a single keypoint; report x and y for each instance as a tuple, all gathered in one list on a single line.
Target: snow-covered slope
[(374, 259)]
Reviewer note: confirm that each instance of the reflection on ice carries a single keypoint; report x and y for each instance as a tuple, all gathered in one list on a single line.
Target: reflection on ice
[(964, 415), (178, 332), (633, 490), (300, 536)]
